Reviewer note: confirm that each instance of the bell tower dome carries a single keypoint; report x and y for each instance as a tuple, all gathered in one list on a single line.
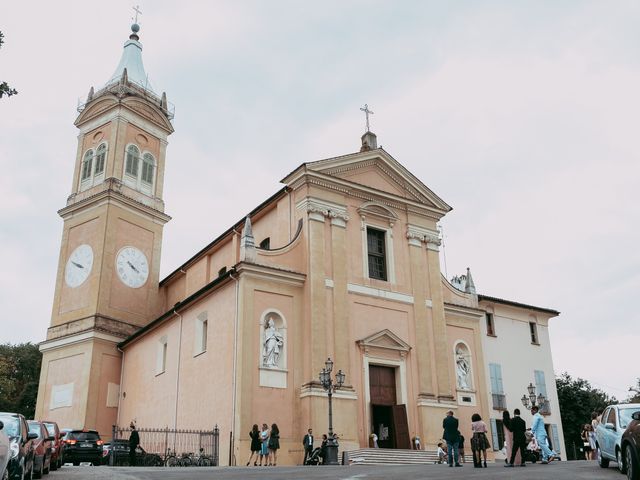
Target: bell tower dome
[(109, 264)]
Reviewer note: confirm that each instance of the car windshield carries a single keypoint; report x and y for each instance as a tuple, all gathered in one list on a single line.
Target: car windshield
[(83, 436), (625, 415), (11, 426), (35, 428), (51, 428)]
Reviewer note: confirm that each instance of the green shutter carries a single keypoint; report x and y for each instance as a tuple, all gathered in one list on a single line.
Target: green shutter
[(556, 438), (494, 434)]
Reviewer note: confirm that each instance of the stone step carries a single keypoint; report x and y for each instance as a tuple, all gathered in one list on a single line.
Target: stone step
[(387, 456)]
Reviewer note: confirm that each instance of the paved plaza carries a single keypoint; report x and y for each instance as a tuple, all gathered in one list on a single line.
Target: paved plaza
[(554, 471)]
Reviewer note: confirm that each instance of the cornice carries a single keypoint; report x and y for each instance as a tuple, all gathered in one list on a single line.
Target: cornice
[(111, 191), (419, 235), (319, 209), (266, 272)]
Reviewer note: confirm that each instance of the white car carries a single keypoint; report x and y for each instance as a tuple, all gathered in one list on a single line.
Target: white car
[(4, 453), (615, 420)]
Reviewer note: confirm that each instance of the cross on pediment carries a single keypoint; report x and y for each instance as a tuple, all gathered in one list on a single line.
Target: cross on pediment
[(367, 112)]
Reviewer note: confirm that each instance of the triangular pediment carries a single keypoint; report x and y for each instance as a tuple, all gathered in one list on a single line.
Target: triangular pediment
[(375, 171), (385, 339)]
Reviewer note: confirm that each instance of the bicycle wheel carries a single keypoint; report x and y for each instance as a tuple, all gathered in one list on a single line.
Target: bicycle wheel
[(205, 462), (185, 462), (172, 461)]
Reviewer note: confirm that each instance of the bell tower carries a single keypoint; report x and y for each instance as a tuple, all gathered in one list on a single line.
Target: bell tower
[(108, 270)]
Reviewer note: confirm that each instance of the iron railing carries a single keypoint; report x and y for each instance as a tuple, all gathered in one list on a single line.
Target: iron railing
[(167, 444)]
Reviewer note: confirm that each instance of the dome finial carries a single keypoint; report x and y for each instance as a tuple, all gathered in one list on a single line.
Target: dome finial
[(135, 28)]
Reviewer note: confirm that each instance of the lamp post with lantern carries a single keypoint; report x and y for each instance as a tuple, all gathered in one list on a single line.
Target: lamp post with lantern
[(331, 386), (532, 400)]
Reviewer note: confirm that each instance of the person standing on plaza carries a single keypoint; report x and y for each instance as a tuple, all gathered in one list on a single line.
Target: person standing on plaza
[(479, 442), (452, 437), (508, 435), (589, 452), (307, 443), (519, 439), (264, 444), (134, 441), (254, 434), (274, 444), (461, 447), (538, 430)]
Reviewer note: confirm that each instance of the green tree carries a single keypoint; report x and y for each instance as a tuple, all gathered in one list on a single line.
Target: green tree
[(634, 397), (578, 399), (4, 88), (19, 378)]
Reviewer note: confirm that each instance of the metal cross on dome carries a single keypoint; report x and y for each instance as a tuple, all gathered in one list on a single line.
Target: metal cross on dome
[(367, 112), (137, 10)]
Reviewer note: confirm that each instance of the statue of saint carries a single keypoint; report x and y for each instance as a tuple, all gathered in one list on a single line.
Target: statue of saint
[(273, 340), (463, 370)]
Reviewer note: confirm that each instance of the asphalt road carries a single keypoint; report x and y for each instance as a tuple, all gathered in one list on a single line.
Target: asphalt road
[(554, 471)]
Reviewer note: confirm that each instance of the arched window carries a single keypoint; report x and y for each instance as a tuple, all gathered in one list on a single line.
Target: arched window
[(133, 156), (86, 165), (101, 154), (148, 164), (464, 375)]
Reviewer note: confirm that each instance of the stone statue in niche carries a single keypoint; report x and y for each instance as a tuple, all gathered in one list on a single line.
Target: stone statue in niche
[(463, 368), (273, 342)]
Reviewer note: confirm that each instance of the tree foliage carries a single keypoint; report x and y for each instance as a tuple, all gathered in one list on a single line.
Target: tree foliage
[(19, 378), (634, 397), (5, 89), (578, 400)]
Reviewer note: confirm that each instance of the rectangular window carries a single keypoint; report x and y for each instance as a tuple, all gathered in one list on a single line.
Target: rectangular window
[(491, 331), (541, 388), (200, 337), (533, 329), (377, 254), (161, 358)]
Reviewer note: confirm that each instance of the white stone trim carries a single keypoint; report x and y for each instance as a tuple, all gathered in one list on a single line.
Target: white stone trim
[(270, 273), (401, 383), (379, 293), (318, 209), (78, 338), (328, 282), (317, 391), (434, 403), (428, 303)]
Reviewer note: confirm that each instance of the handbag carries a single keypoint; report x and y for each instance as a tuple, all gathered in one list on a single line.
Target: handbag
[(586, 444)]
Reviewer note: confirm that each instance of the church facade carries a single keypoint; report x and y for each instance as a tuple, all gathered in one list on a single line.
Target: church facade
[(342, 263)]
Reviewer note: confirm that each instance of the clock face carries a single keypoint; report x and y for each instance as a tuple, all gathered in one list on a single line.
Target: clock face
[(78, 266), (132, 267)]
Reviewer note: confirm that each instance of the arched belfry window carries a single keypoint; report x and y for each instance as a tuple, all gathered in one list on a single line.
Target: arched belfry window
[(148, 166), (101, 154), (133, 157), (87, 161)]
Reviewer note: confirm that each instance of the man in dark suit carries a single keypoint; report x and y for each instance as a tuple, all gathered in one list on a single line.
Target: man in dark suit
[(452, 436), (307, 442), (518, 427), (134, 441)]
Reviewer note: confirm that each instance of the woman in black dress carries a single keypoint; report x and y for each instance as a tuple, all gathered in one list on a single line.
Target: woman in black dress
[(254, 434), (274, 444)]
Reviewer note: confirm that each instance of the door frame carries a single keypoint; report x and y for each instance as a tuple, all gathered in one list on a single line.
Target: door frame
[(401, 386)]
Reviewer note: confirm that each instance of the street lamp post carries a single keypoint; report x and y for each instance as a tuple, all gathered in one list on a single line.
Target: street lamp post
[(531, 400), (330, 386)]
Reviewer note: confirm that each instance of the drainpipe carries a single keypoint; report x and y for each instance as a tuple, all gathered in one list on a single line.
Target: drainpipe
[(175, 423), (235, 365), (121, 384)]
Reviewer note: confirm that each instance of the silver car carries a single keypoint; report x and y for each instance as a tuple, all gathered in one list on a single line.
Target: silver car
[(4, 453), (615, 420)]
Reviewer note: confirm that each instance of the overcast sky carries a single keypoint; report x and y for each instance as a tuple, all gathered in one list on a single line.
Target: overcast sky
[(521, 115)]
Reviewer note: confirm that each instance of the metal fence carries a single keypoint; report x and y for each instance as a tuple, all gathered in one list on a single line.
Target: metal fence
[(167, 446)]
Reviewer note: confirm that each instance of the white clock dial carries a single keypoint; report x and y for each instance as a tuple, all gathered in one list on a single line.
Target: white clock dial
[(132, 267), (78, 266)]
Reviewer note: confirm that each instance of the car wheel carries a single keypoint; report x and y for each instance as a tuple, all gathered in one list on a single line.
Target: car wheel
[(38, 474), (633, 470), (603, 462), (622, 467)]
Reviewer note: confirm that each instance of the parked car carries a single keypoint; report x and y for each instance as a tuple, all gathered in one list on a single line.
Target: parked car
[(116, 452), (42, 448), (615, 420), (5, 453), (83, 446), (631, 447), (57, 449), (20, 445)]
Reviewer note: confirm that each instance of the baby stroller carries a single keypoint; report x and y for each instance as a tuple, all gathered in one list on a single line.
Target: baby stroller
[(315, 458), (532, 452)]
